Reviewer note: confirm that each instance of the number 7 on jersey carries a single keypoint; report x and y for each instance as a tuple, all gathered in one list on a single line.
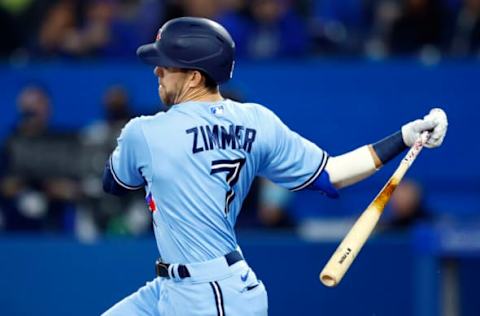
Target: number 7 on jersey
[(232, 168)]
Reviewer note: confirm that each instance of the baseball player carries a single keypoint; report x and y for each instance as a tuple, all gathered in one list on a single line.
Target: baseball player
[(196, 163)]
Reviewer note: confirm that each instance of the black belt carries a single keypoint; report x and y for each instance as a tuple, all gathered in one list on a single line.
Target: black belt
[(162, 268)]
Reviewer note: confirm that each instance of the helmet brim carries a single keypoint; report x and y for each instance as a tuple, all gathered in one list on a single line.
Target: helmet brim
[(153, 55)]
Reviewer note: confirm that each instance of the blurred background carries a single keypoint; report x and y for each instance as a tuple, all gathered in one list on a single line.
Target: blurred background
[(342, 73)]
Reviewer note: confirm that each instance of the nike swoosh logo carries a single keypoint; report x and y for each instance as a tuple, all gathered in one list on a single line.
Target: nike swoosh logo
[(245, 276)]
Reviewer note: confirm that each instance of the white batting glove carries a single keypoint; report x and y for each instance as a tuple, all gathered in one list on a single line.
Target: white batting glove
[(436, 122)]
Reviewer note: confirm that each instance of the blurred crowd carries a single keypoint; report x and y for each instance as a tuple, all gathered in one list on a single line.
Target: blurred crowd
[(50, 180), (46, 29)]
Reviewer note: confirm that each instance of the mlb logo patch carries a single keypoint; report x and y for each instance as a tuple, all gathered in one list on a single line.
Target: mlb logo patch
[(217, 110)]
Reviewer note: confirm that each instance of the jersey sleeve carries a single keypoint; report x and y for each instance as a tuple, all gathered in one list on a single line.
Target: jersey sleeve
[(130, 157), (289, 159)]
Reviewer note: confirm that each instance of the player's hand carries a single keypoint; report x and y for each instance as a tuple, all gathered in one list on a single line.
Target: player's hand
[(436, 122)]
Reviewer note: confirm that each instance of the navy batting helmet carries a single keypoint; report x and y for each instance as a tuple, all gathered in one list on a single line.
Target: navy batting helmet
[(192, 43)]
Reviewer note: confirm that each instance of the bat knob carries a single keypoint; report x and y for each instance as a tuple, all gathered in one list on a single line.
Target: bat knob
[(328, 280)]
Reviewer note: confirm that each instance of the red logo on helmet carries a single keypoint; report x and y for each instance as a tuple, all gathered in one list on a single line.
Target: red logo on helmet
[(159, 36)]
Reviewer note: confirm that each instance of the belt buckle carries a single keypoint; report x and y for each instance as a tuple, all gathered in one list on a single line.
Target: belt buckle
[(161, 269)]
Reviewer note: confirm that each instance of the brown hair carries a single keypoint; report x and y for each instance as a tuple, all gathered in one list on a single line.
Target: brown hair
[(210, 84)]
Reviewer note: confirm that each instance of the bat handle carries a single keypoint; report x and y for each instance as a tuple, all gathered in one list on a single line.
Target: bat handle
[(425, 136), (416, 148)]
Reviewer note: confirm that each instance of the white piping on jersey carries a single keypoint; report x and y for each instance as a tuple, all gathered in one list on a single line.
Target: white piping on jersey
[(123, 185), (315, 176)]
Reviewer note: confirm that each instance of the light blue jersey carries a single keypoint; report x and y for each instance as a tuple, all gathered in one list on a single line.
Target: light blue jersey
[(197, 162)]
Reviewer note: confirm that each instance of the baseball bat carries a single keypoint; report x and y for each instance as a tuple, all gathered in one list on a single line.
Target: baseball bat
[(353, 242)]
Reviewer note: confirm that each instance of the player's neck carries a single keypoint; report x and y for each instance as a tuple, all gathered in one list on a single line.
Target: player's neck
[(202, 95), (211, 97)]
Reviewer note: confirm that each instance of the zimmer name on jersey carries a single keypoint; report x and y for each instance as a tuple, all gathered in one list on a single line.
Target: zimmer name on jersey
[(209, 137)]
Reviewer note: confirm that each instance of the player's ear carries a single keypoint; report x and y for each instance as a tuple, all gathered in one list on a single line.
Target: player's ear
[(196, 79)]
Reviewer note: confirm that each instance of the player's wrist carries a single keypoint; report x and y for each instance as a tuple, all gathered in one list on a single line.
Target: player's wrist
[(390, 147)]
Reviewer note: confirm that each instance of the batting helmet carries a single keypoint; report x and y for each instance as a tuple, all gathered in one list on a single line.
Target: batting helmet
[(192, 43)]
